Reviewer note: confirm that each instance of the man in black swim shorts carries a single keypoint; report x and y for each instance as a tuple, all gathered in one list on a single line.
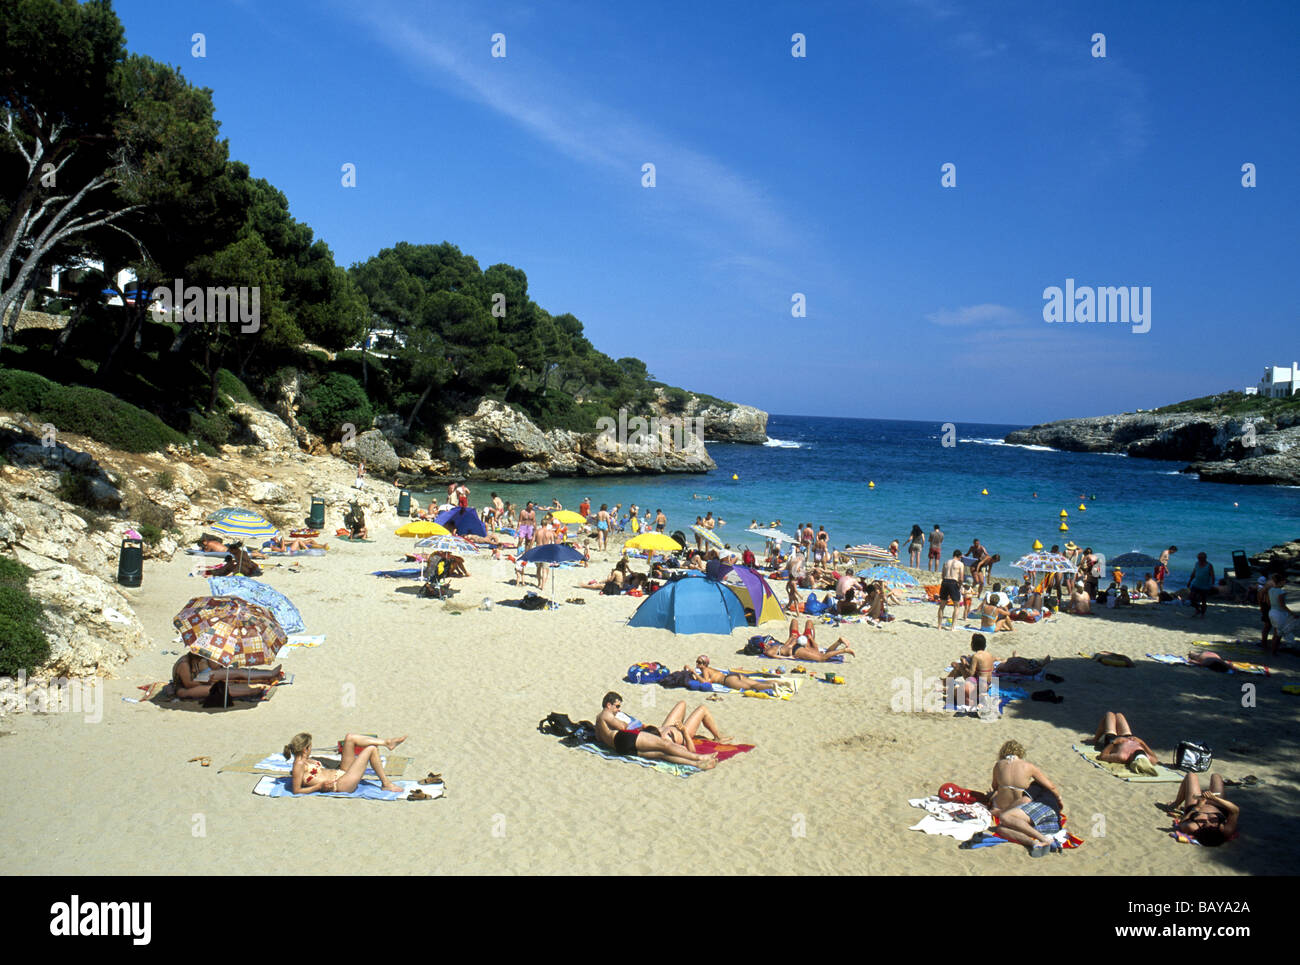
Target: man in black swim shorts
[(647, 743), (954, 572)]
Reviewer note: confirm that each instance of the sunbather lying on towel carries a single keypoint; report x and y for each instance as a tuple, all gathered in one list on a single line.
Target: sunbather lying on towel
[(803, 646), (1022, 666), (646, 742), (736, 681), (1114, 741), (1208, 658), (213, 544), (279, 543), (359, 752), (1207, 816), (682, 730), (193, 677)]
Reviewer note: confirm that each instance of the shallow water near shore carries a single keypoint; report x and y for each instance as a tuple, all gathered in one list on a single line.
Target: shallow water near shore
[(818, 469)]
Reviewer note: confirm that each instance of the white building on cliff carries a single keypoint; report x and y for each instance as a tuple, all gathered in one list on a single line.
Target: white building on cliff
[(1278, 382)]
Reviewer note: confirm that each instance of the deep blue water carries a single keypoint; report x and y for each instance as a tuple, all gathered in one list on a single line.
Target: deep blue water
[(817, 470)]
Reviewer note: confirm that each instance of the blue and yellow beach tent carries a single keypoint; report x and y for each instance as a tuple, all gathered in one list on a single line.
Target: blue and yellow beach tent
[(691, 604)]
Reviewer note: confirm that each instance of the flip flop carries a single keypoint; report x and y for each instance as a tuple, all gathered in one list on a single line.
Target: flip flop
[(203, 761), (431, 779), (418, 795), (1055, 678)]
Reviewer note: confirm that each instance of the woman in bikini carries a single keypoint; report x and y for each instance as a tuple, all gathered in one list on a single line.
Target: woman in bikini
[(1115, 742), (1205, 815), (682, 730), (193, 677), (359, 752), (736, 681), (1022, 819), (803, 646)]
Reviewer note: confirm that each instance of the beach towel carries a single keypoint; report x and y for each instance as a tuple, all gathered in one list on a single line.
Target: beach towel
[(164, 692), (959, 821), (410, 573), (678, 770), (394, 765), (1164, 775), (367, 790), (724, 751), (300, 641), (839, 658), (1234, 666), (351, 539), (222, 554)]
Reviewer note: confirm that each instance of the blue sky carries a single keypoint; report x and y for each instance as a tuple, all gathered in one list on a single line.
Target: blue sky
[(818, 175)]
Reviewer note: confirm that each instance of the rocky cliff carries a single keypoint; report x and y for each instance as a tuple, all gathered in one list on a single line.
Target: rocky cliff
[(1237, 449), (722, 422)]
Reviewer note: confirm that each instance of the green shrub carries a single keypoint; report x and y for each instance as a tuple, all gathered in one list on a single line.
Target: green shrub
[(23, 645), (222, 485), (152, 534), (335, 400), (230, 384), (214, 428), (90, 412), (151, 514), (74, 487), (164, 480)]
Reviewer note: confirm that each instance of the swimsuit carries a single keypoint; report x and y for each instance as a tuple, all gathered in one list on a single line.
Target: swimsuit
[(1042, 817), (950, 592), (625, 742)]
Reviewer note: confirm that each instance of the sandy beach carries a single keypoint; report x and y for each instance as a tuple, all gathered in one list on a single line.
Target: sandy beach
[(825, 791)]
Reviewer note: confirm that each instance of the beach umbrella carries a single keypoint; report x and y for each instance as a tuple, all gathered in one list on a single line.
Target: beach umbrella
[(1045, 563), (229, 631), (463, 519), (892, 576), (870, 551), (708, 535), (568, 517), (268, 597), (552, 554), (447, 544), (243, 525), (691, 605), (422, 527), (653, 543), (224, 512), (1134, 559), (772, 534)]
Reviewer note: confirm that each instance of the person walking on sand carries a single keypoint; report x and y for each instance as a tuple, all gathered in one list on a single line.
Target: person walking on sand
[(359, 752), (645, 742), (1201, 582), (936, 548), (603, 524), (1162, 568), (361, 476), (954, 574)]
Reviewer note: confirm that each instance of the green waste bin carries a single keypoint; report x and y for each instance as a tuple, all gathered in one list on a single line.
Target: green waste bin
[(317, 520), (130, 562), (404, 503)]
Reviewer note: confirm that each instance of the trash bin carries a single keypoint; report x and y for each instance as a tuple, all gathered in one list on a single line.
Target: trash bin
[(317, 519), (404, 503), (130, 562)]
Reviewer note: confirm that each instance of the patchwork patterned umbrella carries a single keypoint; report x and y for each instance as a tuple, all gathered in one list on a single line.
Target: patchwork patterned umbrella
[(708, 535), (447, 544), (1045, 563), (267, 597), (891, 576), (243, 525), (230, 631)]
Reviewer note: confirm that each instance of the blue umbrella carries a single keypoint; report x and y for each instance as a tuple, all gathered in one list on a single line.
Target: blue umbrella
[(552, 553), (693, 605), (890, 575), (281, 607), (463, 520)]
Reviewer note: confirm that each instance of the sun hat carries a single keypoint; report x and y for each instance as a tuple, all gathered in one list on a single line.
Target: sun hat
[(1071, 546)]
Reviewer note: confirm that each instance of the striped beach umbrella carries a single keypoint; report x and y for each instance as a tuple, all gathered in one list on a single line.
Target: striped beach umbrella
[(892, 576), (870, 551), (708, 535), (243, 525), (230, 631)]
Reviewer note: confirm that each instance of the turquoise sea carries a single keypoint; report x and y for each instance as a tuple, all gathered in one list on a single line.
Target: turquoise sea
[(817, 470)]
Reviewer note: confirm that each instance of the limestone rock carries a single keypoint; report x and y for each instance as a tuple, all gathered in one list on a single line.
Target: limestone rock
[(263, 428), (378, 454)]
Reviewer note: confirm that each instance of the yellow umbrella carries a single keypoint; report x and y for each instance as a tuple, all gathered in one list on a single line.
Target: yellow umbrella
[(568, 517), (653, 542), (423, 527)]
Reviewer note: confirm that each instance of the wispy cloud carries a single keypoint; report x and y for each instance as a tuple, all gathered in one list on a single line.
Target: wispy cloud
[(578, 125), (975, 315)]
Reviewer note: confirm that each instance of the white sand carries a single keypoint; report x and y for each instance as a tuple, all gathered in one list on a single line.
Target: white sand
[(834, 763)]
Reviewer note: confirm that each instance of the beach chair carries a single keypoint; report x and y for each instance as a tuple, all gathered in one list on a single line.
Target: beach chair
[(435, 578)]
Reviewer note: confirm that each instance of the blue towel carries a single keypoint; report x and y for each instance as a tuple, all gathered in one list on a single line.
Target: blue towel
[(369, 790), (409, 573)]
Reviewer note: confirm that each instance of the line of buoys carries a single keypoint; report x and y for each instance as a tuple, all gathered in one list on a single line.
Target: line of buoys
[(1083, 508), (984, 492), (1038, 545), (1064, 514), (1064, 528), (734, 476), (871, 485)]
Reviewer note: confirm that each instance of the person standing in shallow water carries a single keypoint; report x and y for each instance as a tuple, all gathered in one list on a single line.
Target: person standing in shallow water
[(936, 547), (1201, 583), (915, 543)]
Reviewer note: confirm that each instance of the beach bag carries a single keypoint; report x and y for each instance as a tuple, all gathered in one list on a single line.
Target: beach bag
[(1194, 757), (646, 673), (532, 602), (958, 795), (754, 647), (557, 725)]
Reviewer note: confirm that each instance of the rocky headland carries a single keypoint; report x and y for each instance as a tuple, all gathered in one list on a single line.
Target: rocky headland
[(1219, 448)]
